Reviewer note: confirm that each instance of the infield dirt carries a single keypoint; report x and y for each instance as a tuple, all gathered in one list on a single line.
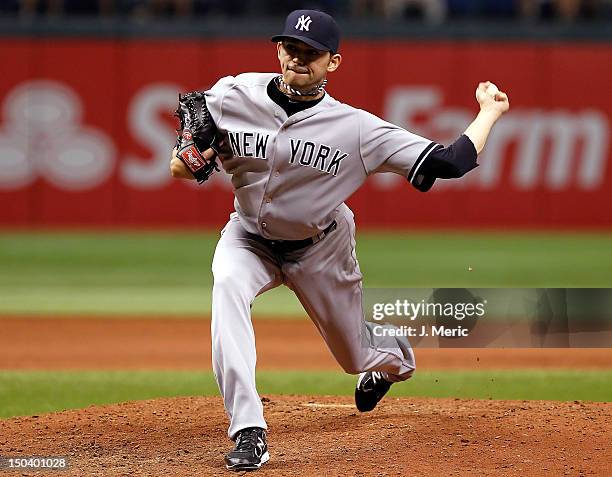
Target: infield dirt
[(178, 343)]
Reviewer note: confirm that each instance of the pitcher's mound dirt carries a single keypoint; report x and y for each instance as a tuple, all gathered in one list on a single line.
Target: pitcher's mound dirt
[(325, 436)]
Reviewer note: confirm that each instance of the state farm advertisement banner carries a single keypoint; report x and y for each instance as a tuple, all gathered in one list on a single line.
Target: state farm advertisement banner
[(87, 129)]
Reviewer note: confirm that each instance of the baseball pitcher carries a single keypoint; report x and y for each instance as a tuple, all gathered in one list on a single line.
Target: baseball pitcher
[(295, 154)]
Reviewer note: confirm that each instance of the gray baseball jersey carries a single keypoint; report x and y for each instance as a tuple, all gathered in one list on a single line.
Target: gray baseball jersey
[(291, 174)]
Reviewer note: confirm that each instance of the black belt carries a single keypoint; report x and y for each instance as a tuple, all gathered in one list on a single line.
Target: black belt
[(284, 246)]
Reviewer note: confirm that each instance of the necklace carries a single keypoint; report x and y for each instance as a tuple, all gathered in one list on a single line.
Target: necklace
[(294, 92)]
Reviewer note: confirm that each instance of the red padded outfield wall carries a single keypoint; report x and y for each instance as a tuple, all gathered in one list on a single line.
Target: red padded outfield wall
[(86, 130)]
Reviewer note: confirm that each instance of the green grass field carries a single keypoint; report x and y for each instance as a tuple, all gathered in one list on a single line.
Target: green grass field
[(169, 273), (26, 393), (154, 273)]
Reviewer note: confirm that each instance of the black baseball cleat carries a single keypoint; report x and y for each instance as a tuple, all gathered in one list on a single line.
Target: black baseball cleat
[(250, 452), (371, 388)]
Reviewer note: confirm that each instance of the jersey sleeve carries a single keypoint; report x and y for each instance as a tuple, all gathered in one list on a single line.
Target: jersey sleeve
[(386, 147), (215, 96)]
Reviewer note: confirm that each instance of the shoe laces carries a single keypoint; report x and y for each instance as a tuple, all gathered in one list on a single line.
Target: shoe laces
[(247, 440)]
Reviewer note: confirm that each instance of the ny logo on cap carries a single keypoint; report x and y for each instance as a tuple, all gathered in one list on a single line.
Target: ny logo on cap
[(303, 23)]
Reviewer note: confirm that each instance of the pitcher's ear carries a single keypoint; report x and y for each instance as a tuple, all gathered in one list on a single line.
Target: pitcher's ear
[(334, 62)]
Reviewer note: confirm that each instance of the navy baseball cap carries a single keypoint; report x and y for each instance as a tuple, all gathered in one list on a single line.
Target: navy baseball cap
[(314, 28)]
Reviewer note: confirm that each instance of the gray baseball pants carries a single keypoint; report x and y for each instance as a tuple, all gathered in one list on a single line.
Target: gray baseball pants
[(326, 279)]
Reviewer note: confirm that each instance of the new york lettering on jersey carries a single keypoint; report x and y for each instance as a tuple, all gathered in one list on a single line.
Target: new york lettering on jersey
[(319, 156)]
